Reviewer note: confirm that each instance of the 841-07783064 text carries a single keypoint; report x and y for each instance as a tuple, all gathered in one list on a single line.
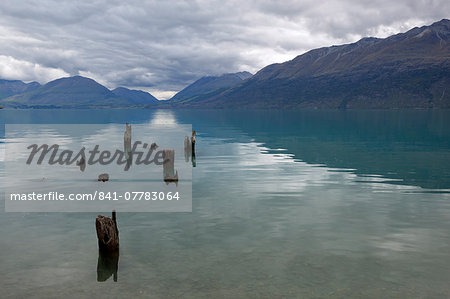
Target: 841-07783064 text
[(128, 196)]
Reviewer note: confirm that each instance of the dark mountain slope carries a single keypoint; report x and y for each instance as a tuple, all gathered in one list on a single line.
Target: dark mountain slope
[(74, 92), (207, 87), (135, 96), (12, 87), (67, 92), (410, 69)]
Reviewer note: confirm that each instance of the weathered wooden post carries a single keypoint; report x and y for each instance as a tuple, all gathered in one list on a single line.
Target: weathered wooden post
[(82, 164), (107, 232), (193, 141), (169, 167), (104, 177), (187, 148), (127, 145), (193, 159), (127, 140)]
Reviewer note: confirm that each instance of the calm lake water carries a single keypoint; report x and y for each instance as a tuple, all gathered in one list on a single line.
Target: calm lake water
[(285, 204)]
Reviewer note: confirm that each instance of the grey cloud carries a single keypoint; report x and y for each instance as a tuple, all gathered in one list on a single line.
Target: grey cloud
[(166, 45)]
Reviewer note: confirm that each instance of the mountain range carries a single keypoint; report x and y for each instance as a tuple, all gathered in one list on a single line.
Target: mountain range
[(406, 70), (71, 92)]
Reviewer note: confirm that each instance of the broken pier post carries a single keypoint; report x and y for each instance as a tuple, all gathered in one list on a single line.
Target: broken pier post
[(169, 167), (193, 159), (127, 145), (193, 141), (187, 148), (82, 164), (104, 177), (107, 232)]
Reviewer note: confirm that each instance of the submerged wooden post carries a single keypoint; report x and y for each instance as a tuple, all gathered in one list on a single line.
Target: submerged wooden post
[(107, 232), (168, 166)]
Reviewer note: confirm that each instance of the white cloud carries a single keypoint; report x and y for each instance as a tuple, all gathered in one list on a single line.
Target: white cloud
[(160, 94), (14, 69)]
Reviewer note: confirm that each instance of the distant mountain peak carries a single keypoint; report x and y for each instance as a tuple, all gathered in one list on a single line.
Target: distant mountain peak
[(244, 75), (75, 79), (443, 22)]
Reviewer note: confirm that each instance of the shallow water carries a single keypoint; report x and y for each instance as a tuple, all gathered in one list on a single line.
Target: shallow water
[(285, 203)]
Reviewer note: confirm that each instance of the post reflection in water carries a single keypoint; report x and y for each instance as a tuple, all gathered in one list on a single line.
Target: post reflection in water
[(107, 265)]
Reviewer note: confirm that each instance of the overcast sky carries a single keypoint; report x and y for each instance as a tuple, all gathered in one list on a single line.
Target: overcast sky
[(163, 46)]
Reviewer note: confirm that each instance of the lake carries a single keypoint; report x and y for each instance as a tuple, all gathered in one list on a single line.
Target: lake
[(310, 203)]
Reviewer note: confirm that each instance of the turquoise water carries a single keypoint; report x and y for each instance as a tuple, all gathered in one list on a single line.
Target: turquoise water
[(285, 204)]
